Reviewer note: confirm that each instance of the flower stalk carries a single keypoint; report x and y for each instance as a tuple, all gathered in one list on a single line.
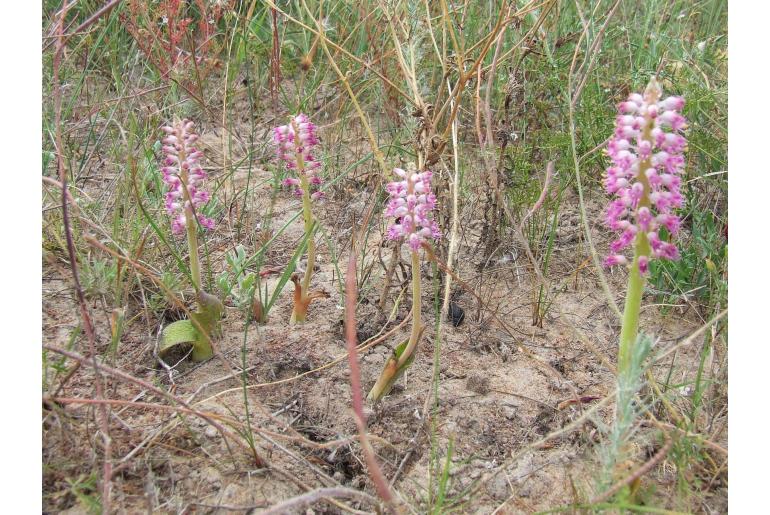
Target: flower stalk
[(294, 144), (416, 309), (299, 313), (184, 176), (192, 236), (647, 154), (411, 201)]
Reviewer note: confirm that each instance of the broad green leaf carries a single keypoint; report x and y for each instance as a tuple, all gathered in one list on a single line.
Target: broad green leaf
[(209, 314), (181, 331)]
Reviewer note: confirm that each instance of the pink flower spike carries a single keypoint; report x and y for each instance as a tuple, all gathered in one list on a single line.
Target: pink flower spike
[(183, 176), (294, 144), (411, 202), (647, 139)]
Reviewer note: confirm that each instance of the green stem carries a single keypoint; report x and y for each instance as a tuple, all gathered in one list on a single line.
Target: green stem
[(416, 309), (192, 243), (630, 327)]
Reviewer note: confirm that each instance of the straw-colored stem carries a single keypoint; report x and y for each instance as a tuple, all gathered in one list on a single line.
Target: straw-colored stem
[(416, 308), (307, 213)]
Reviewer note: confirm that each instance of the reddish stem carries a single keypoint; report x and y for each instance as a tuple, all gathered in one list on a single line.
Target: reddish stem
[(351, 294)]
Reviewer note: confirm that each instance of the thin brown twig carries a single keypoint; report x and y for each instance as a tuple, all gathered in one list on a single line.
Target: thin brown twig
[(290, 505), (105, 9), (144, 384), (337, 47)]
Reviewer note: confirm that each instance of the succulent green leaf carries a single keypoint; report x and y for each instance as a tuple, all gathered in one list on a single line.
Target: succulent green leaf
[(209, 313), (181, 331), (390, 373)]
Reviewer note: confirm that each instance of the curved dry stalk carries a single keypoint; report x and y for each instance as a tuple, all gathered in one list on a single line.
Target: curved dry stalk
[(119, 374), (521, 12), (300, 440), (339, 48), (357, 398), (353, 98), (491, 83), (454, 187)]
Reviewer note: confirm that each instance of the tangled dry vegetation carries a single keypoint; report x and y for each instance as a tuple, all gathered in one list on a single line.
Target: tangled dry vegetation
[(510, 403)]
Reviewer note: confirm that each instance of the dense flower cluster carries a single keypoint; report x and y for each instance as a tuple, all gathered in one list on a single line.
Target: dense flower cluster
[(647, 159), (411, 201), (294, 145), (182, 171)]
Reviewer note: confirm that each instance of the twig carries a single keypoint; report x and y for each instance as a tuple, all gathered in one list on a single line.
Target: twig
[(490, 84), (316, 495), (455, 189), (106, 8), (144, 384)]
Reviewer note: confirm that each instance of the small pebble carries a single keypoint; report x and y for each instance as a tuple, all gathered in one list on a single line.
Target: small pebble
[(509, 412), (211, 432)]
